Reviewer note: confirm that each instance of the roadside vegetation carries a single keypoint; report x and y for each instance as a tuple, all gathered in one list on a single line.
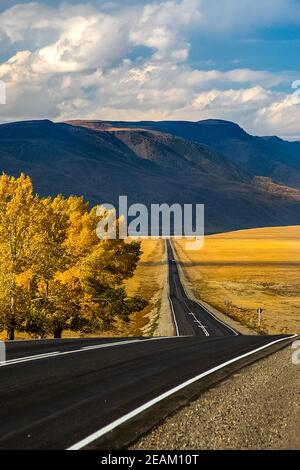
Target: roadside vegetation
[(149, 281), (240, 271), (55, 273)]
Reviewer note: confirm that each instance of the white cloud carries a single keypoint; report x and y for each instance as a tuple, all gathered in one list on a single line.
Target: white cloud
[(76, 37), (281, 116), (160, 26)]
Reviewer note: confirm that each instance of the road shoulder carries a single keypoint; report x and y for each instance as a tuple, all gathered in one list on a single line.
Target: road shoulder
[(256, 408)]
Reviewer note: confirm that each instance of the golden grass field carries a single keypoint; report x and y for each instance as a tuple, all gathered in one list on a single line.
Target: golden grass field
[(239, 271), (146, 282)]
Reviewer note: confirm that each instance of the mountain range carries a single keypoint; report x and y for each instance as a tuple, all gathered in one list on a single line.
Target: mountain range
[(244, 181)]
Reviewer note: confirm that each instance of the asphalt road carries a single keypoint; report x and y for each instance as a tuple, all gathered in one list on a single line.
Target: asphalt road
[(103, 393), (190, 319), (57, 402)]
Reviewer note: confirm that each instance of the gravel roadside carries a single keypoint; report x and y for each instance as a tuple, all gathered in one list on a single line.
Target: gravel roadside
[(165, 325), (257, 408)]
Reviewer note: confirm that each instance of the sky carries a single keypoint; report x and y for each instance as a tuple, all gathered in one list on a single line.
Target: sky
[(153, 60)]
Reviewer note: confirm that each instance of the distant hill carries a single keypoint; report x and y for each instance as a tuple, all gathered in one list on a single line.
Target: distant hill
[(152, 163), (260, 156)]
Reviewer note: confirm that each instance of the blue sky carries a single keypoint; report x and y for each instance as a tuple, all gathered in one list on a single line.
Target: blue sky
[(172, 59)]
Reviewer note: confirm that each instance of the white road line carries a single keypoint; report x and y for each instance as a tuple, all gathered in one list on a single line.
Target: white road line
[(28, 358), (217, 319), (74, 351), (200, 325), (208, 311), (174, 317), (24, 341), (170, 301), (110, 427), (196, 320)]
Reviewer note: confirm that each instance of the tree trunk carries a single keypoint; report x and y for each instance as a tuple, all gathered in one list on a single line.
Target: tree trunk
[(57, 333), (10, 333), (46, 290), (11, 327)]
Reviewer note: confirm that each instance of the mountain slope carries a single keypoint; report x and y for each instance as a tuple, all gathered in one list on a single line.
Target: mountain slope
[(102, 161), (260, 156)]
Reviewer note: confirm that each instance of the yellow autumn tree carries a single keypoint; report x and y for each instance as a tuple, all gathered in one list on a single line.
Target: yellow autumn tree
[(86, 293), (55, 273), (21, 244)]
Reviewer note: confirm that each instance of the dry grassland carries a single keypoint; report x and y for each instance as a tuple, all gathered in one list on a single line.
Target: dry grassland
[(240, 271)]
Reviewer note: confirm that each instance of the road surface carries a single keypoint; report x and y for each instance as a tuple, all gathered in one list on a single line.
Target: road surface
[(190, 319), (103, 393)]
